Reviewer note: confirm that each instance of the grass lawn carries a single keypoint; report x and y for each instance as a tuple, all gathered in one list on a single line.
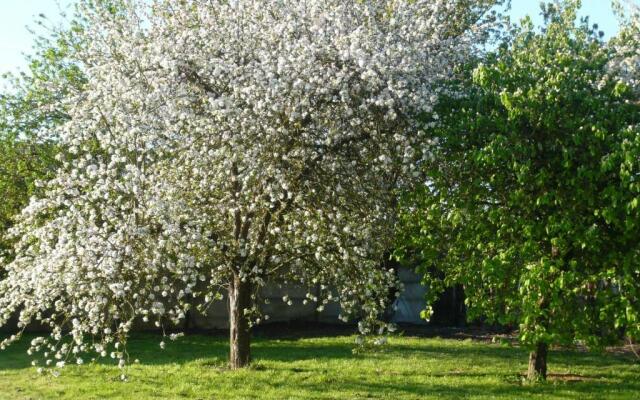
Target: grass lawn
[(325, 368)]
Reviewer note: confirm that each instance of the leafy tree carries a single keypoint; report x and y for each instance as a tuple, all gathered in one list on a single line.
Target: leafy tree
[(217, 146), (533, 192), (30, 109)]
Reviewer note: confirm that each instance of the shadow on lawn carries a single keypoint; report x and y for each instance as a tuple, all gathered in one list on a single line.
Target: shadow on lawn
[(146, 347), (190, 348), (489, 352), (284, 348)]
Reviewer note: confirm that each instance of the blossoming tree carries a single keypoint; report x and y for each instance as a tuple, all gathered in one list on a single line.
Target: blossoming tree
[(626, 45), (221, 145)]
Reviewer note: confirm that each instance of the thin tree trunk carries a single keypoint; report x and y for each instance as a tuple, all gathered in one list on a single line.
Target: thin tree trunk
[(538, 363), (239, 330)]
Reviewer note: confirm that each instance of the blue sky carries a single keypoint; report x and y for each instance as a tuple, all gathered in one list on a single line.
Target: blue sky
[(599, 11), (15, 15)]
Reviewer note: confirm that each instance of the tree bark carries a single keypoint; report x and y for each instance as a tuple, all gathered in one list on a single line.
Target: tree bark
[(239, 330), (538, 363)]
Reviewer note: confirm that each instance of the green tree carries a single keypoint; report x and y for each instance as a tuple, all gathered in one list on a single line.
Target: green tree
[(533, 194), (31, 108)]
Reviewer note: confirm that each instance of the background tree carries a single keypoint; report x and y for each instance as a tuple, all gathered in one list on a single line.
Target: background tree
[(532, 197), (217, 146), (29, 111)]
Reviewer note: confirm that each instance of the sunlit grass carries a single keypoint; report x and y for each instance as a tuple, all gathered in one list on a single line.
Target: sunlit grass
[(325, 368)]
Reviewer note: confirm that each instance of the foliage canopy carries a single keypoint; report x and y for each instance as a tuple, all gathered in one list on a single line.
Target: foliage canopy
[(532, 201)]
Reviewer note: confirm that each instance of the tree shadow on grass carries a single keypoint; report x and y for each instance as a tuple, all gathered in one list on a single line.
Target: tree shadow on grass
[(146, 347), (196, 347), (515, 353)]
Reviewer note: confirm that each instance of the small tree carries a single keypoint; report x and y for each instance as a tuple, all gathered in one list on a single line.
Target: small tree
[(218, 146), (532, 197)]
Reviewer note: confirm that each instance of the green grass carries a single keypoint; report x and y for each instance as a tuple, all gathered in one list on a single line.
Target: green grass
[(325, 368)]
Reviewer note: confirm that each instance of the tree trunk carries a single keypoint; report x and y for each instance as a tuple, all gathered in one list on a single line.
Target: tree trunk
[(538, 363), (239, 330)]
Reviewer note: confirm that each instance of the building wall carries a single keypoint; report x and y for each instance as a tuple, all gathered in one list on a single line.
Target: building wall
[(407, 307)]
